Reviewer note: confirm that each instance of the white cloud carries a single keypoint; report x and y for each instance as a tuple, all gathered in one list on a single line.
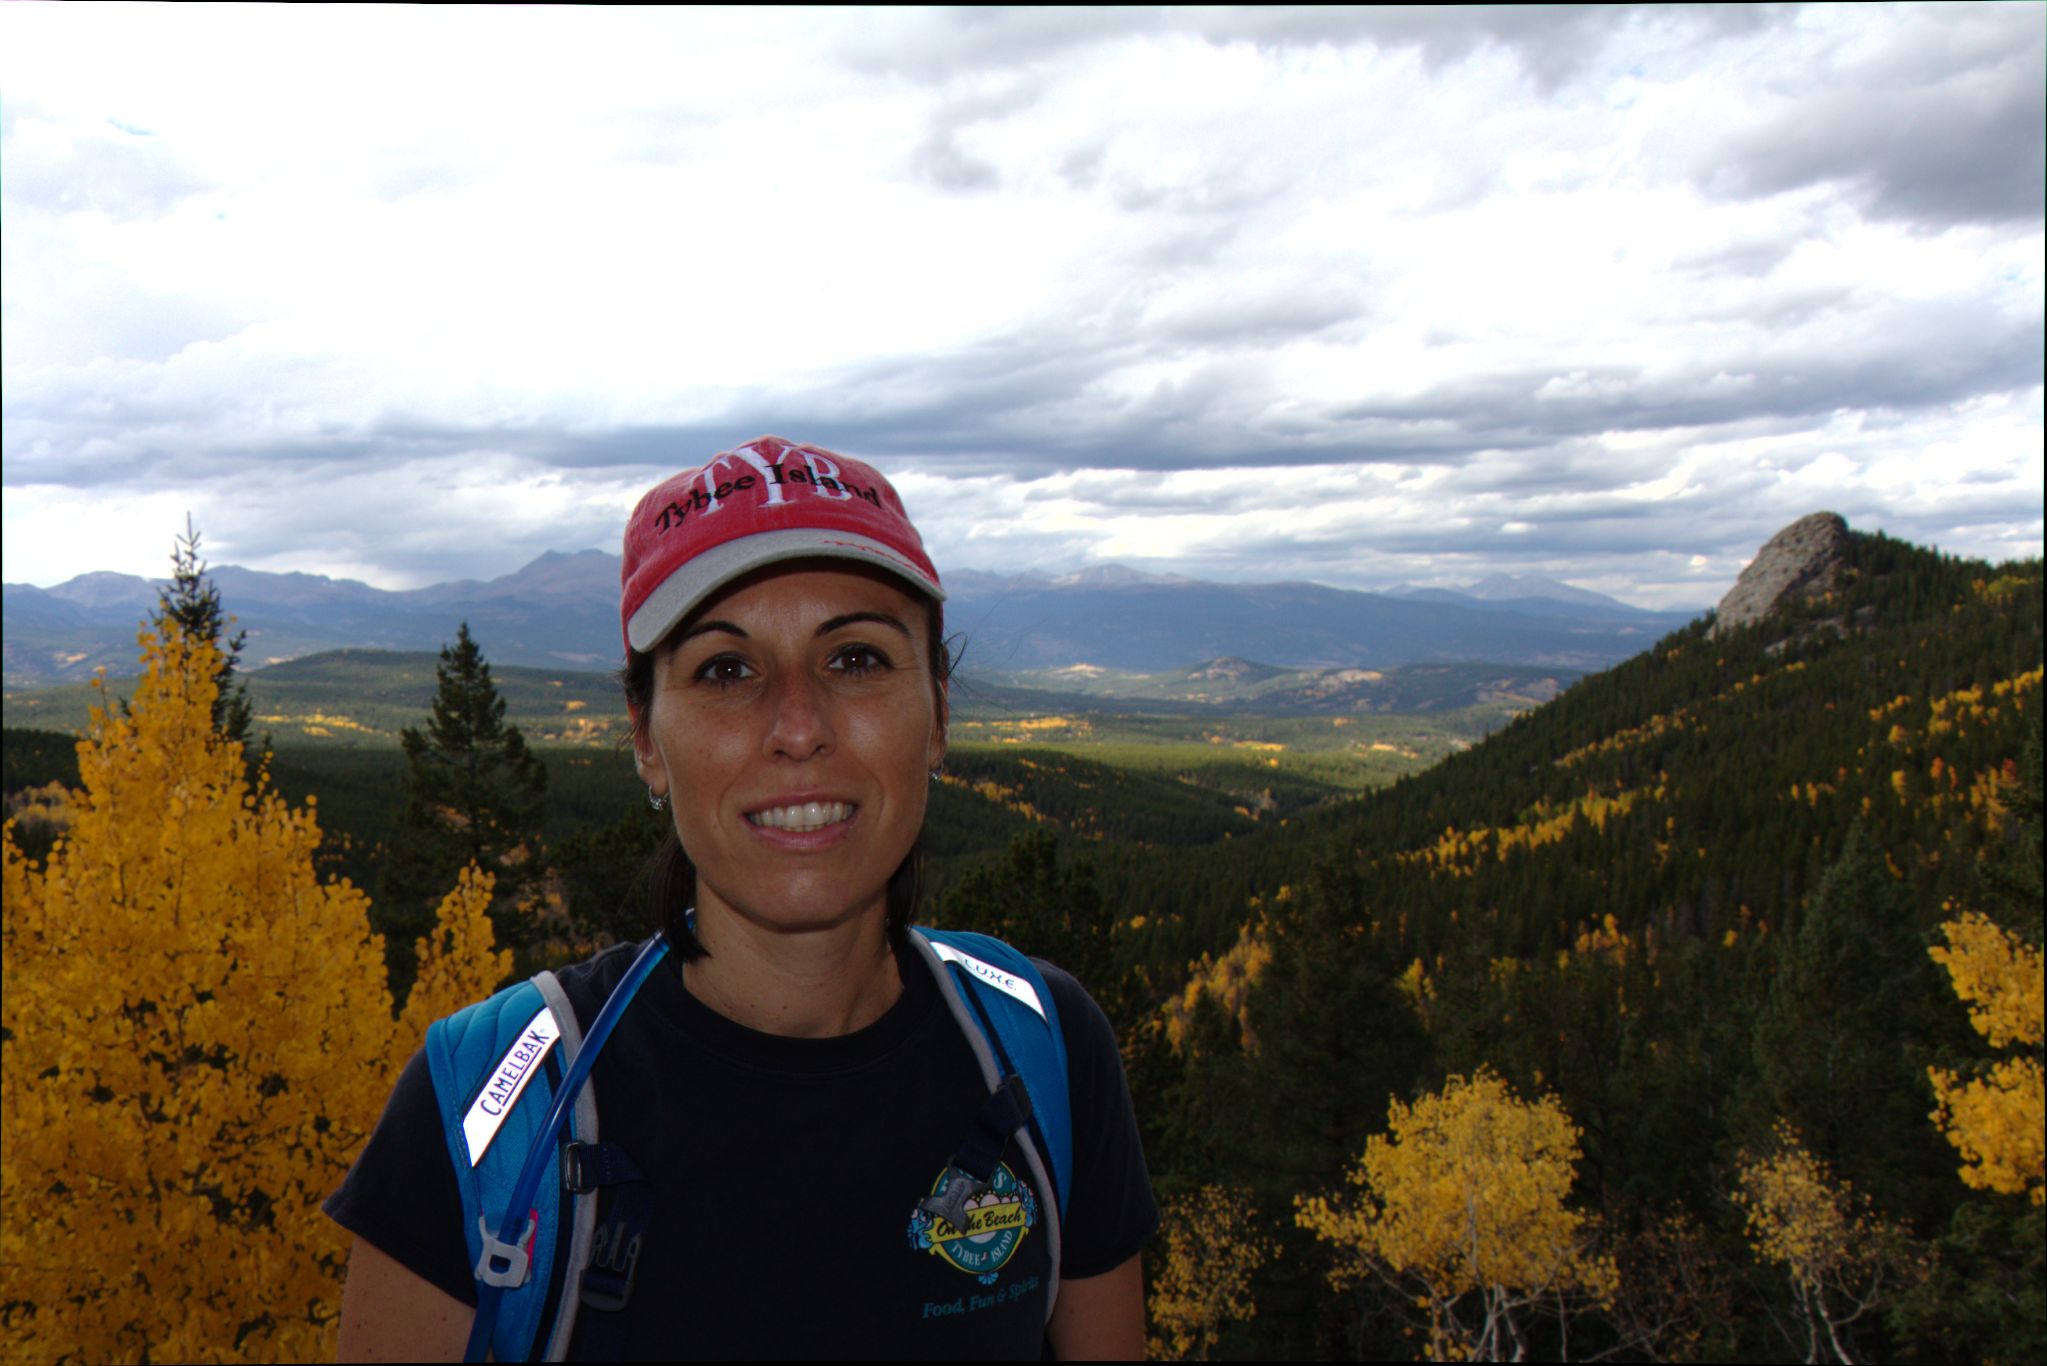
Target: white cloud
[(1345, 295), (64, 532)]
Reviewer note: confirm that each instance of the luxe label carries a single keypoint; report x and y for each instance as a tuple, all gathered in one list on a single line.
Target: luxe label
[(992, 975)]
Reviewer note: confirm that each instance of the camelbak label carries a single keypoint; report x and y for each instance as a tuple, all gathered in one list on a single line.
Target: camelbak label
[(993, 976), (508, 1082)]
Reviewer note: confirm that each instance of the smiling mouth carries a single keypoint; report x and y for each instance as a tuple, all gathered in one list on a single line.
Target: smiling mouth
[(802, 816)]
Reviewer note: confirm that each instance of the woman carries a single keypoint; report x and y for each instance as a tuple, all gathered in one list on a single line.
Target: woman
[(796, 1086)]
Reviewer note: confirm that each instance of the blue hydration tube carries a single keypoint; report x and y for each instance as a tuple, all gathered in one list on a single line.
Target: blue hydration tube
[(543, 1151)]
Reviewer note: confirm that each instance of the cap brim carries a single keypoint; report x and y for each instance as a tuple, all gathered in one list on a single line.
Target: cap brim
[(681, 592)]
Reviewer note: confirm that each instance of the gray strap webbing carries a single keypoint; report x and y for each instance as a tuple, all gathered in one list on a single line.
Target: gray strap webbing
[(584, 1227), (977, 1039)]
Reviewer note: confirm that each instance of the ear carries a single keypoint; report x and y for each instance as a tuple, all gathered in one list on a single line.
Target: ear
[(647, 761)]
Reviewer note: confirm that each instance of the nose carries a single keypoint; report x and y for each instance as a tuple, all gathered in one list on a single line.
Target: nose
[(801, 726)]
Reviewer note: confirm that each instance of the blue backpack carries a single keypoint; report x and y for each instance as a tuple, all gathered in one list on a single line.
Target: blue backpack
[(512, 1075)]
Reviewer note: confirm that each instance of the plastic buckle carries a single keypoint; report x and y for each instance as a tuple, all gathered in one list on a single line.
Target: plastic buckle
[(608, 1280), (950, 1204), (505, 1264)]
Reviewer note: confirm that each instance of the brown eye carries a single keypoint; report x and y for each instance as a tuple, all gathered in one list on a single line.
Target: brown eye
[(723, 669), (859, 659)]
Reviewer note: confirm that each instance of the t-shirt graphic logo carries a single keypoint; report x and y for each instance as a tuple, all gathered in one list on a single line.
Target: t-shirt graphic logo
[(997, 1220)]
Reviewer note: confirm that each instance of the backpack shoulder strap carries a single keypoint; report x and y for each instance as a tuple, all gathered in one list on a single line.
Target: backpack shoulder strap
[(583, 1129), (495, 1067), (1009, 1017)]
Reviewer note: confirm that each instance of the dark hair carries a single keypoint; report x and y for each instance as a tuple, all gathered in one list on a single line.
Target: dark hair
[(670, 877)]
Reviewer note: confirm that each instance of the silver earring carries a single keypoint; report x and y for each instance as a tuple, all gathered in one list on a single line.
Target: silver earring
[(657, 800)]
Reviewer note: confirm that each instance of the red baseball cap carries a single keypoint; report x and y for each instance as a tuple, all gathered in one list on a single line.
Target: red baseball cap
[(760, 503)]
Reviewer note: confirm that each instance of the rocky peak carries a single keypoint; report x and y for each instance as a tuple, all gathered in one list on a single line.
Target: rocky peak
[(1802, 561)]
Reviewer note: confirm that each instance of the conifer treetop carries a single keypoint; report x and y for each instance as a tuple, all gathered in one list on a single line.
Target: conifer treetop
[(192, 601), (468, 710)]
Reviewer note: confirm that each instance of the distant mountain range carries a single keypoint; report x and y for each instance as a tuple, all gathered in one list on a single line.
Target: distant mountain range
[(560, 611)]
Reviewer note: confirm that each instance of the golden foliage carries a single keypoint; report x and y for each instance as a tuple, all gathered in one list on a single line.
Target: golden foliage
[(1998, 974), (48, 806), (1796, 1215), (1655, 726), (1811, 793), (1462, 1204), (1606, 939), (198, 1038), (1962, 710), (1836, 1253), (1965, 707), (459, 961), (1016, 731), (1684, 718), (1996, 1121), (1214, 1244), (1010, 798), (1227, 981), (1460, 852), (2000, 589), (1418, 989)]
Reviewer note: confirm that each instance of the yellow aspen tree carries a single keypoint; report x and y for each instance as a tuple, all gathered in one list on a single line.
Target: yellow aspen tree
[(1836, 1254), (1996, 1121), (1462, 1208), (1214, 1244), (198, 1036), (459, 961)]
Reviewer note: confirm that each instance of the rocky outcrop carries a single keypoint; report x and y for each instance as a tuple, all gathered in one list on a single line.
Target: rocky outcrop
[(1801, 562)]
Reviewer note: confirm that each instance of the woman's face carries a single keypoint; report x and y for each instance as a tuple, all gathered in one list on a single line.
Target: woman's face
[(794, 725)]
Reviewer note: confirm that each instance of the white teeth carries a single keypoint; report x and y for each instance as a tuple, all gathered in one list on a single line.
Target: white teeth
[(803, 815)]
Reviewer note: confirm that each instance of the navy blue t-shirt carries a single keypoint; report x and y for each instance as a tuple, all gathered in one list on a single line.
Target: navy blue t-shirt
[(786, 1174)]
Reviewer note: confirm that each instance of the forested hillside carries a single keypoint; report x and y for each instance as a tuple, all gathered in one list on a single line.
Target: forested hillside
[(1691, 901), (1695, 1014)]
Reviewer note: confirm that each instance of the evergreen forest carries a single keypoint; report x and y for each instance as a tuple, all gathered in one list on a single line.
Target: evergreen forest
[(1691, 1015), (1691, 902)]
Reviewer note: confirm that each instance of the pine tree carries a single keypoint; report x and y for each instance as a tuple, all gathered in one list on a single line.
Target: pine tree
[(1053, 910), (193, 602), (1841, 1044), (1334, 1039), (1988, 1279), (473, 794)]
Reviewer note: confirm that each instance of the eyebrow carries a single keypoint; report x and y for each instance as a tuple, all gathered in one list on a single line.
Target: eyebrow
[(849, 618), (825, 629), (703, 626)]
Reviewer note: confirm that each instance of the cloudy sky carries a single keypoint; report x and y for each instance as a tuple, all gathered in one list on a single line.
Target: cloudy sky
[(1609, 294)]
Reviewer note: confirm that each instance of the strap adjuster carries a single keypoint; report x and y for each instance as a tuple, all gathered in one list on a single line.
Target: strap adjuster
[(1007, 1109)]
